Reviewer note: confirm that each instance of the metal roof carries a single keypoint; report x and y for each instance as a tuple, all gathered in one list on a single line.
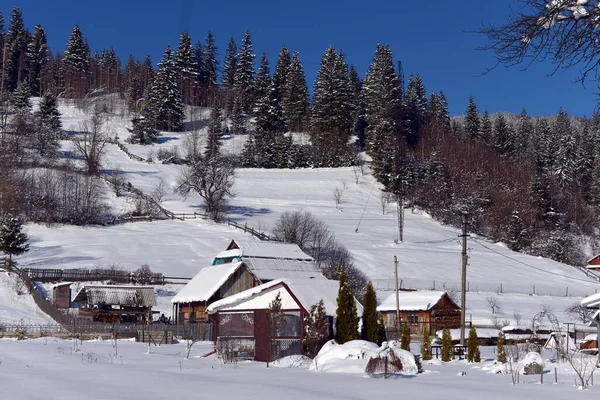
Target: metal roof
[(269, 269), (259, 249), (135, 296)]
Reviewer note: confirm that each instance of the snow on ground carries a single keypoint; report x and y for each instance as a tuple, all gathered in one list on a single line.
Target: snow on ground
[(101, 371), (18, 308), (428, 258)]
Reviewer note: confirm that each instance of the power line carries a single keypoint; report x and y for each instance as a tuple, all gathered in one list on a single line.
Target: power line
[(532, 266)]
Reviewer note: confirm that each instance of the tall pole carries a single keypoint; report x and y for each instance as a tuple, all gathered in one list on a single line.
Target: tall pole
[(397, 298), (463, 289), (400, 212)]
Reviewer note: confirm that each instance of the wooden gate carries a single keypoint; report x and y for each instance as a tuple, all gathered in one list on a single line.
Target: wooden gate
[(262, 336)]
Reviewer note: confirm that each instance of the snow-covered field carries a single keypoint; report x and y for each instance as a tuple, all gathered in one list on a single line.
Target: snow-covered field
[(50, 368)]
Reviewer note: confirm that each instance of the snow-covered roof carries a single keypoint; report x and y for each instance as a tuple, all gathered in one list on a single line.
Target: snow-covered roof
[(420, 300), (592, 301), (263, 249), (206, 282), (306, 291), (136, 296), (269, 269)]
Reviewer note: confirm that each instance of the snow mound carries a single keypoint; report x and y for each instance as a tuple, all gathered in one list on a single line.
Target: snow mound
[(350, 357), (294, 361)]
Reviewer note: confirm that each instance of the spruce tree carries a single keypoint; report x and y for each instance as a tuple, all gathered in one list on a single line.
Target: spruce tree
[(186, 66), (244, 73), (164, 106), (48, 111), (486, 129), (346, 323), (447, 349), (472, 124), (215, 134), (358, 106), (415, 109), (237, 118), (331, 117), (37, 58), (209, 61), (370, 321), (405, 338), (48, 126), (473, 353), (76, 64), (13, 241), (21, 99), (503, 136), (142, 131), (15, 50), (281, 75), (295, 100), (263, 82), (383, 103), (228, 76), (426, 345), (500, 349)]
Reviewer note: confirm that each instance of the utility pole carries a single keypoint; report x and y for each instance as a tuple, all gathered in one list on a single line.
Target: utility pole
[(400, 212), (567, 339), (397, 297), (463, 289)]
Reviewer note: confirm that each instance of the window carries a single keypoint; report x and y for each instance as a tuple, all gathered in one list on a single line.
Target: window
[(236, 324), (292, 324), (412, 317)]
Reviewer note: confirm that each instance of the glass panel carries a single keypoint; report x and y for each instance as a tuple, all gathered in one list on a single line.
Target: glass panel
[(291, 325), (236, 324)]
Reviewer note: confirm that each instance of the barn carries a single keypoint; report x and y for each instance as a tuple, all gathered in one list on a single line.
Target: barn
[(271, 260), (209, 285), (242, 321), (432, 310), (113, 303), (61, 295)]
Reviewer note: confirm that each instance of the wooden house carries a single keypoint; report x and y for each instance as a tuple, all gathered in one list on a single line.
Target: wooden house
[(61, 295), (242, 321), (209, 285), (115, 304), (271, 260), (432, 310), (594, 263)]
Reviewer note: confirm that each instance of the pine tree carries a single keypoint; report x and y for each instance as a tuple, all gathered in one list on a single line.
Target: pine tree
[(405, 338), (567, 161), (295, 100), (244, 73), (263, 82), (503, 136), (215, 134), (316, 329), (383, 104), (426, 345), (76, 64), (16, 50), (209, 61), (228, 76), (346, 323), (49, 126), (524, 134), (164, 106), (500, 349), (331, 117), (447, 349), (37, 58), (370, 321), (13, 241), (358, 106), (237, 118), (472, 123), (473, 353)]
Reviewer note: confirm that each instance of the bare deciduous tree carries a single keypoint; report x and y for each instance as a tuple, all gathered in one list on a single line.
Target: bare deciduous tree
[(213, 179), (494, 304), (563, 31), (90, 145), (338, 195), (160, 191)]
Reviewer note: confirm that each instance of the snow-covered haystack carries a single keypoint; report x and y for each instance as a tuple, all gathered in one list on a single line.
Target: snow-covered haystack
[(391, 359), (293, 361), (533, 364), (351, 356)]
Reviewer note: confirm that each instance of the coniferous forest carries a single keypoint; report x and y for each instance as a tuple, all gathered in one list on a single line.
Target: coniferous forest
[(532, 183)]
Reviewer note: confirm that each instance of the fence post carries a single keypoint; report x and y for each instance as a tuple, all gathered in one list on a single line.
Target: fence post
[(534, 288), (567, 292)]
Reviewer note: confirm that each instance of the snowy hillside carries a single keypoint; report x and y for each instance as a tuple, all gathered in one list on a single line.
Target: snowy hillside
[(429, 256)]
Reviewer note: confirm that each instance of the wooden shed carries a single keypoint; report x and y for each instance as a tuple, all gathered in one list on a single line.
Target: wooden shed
[(242, 320), (61, 295), (115, 304), (431, 310), (594, 263), (271, 260), (209, 285)]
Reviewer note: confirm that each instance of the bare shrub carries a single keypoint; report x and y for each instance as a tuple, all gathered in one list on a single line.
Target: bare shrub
[(494, 304), (143, 275), (338, 195), (91, 143), (226, 349), (160, 191), (117, 180)]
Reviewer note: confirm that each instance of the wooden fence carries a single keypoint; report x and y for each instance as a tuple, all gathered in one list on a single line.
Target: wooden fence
[(252, 231), (86, 275)]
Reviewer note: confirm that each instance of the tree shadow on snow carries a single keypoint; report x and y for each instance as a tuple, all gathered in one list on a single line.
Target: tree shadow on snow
[(193, 125), (165, 139), (247, 211)]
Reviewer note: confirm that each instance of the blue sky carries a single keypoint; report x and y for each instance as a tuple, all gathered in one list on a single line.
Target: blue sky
[(428, 37)]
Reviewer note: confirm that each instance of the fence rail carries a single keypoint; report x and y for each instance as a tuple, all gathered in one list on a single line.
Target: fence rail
[(85, 275), (252, 231)]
